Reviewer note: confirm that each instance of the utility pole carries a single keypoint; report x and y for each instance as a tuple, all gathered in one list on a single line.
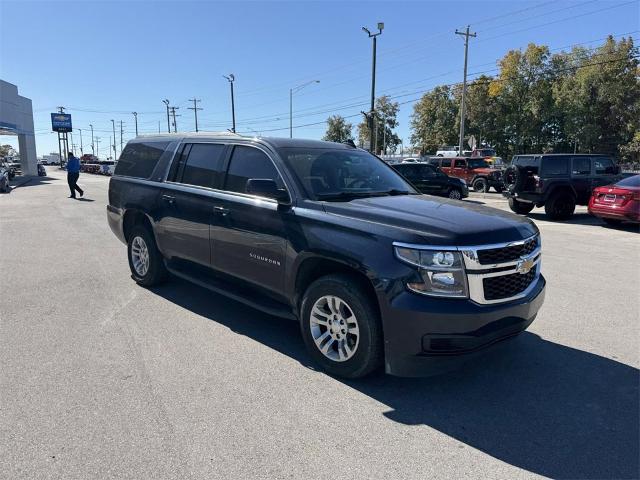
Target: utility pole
[(81, 150), (115, 153), (231, 78), (173, 113), (135, 116), (72, 150), (195, 109), (291, 92), (373, 83), (111, 146), (166, 102), (384, 135), (120, 136), (93, 150), (466, 35), (158, 126), (97, 142)]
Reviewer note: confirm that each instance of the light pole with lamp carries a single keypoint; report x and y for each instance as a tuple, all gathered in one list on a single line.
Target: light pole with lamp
[(373, 83), (231, 78)]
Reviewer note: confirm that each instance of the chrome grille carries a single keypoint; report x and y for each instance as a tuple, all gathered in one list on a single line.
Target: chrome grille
[(506, 286), (507, 254)]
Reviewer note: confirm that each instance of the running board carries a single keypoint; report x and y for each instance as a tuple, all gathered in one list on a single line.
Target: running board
[(267, 306)]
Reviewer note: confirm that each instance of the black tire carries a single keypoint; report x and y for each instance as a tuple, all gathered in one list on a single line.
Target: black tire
[(612, 222), (481, 185), (560, 206), (514, 178), (499, 188), (521, 208), (156, 271), (368, 354), (455, 194)]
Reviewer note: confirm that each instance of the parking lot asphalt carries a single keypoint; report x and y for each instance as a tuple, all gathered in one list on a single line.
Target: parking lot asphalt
[(100, 378)]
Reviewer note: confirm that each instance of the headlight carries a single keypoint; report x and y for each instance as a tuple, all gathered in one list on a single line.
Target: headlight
[(442, 272)]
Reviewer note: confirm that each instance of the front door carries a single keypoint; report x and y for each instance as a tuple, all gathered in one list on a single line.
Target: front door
[(249, 232), (460, 170), (187, 203), (581, 178)]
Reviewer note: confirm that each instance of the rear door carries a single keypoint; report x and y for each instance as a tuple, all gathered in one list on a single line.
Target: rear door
[(446, 166), (249, 232), (581, 177), (188, 200)]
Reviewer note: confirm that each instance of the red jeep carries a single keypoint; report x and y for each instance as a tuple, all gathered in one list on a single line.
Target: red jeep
[(473, 170)]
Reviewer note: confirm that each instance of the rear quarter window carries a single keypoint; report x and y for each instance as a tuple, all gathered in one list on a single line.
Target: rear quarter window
[(139, 159), (555, 165)]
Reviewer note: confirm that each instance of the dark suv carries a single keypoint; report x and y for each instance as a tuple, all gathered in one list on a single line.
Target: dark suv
[(558, 182), (430, 180), (332, 237)]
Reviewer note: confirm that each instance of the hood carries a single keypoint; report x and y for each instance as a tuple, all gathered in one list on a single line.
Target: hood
[(427, 219)]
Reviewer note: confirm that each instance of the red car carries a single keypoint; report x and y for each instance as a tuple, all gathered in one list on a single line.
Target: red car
[(617, 203)]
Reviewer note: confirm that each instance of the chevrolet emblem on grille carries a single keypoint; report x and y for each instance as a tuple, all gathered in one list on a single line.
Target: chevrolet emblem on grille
[(524, 265)]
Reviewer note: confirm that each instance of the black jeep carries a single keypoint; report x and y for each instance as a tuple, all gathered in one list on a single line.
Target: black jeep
[(557, 182)]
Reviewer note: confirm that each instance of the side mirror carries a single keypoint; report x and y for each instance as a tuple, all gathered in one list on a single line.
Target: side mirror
[(265, 187)]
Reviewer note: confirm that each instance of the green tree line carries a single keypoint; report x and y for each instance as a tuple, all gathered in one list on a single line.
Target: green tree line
[(586, 100)]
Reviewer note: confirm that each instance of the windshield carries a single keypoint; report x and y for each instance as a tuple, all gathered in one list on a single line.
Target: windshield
[(332, 173), (629, 182), (480, 163)]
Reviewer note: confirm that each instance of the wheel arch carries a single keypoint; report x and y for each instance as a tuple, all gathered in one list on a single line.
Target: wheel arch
[(133, 217)]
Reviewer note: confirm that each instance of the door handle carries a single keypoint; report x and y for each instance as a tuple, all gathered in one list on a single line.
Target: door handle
[(221, 210), (168, 198)]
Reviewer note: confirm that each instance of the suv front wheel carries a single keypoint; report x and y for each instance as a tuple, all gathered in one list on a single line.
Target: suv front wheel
[(145, 261), (560, 205), (481, 185), (341, 327)]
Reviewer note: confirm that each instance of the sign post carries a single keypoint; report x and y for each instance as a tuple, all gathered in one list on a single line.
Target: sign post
[(61, 123)]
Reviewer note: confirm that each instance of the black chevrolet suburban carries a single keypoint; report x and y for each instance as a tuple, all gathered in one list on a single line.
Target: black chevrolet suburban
[(330, 236)]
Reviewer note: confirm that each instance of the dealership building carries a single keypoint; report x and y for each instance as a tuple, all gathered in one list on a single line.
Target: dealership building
[(16, 118)]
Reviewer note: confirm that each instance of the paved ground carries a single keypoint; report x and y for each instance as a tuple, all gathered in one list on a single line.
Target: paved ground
[(100, 378)]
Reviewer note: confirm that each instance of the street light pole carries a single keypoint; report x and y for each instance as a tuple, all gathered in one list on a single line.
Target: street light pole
[(291, 92), (166, 102), (231, 78), (93, 150), (466, 35), (135, 116), (373, 82), (81, 150)]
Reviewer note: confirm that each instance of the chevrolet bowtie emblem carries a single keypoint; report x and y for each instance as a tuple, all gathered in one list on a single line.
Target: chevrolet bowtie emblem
[(524, 265)]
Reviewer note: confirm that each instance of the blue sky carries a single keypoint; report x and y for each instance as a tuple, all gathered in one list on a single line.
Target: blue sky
[(104, 60)]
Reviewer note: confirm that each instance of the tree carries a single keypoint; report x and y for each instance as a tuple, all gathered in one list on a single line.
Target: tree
[(482, 114), (385, 121), (338, 130), (600, 95), (433, 121), (7, 151)]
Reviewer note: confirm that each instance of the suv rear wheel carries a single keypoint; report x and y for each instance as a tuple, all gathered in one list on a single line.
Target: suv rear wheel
[(560, 205), (145, 261), (521, 208), (340, 327), (481, 185)]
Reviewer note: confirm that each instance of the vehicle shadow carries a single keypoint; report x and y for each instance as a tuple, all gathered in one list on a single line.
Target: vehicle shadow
[(544, 407), (576, 218), (21, 182)]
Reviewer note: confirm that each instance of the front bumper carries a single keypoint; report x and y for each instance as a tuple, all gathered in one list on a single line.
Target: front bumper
[(426, 335)]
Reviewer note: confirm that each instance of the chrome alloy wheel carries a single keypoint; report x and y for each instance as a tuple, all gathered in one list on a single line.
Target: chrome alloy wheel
[(334, 328), (140, 256)]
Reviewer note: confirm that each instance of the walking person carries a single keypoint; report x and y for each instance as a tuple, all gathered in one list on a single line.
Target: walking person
[(73, 173)]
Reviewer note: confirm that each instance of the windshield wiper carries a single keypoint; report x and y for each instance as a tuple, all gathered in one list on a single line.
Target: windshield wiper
[(342, 195), (395, 191)]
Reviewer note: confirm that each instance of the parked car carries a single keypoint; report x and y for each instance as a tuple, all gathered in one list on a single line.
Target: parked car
[(476, 172), (448, 151), (4, 179), (11, 171), (557, 182), (41, 170), (332, 237), (430, 180), (618, 202)]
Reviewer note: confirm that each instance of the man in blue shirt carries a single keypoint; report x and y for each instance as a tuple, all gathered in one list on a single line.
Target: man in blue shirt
[(73, 173)]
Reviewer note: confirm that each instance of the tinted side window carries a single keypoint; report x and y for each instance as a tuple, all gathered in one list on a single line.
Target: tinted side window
[(246, 163), (139, 159), (459, 164), (581, 166), (446, 163), (603, 166), (427, 171), (204, 165), (555, 165)]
